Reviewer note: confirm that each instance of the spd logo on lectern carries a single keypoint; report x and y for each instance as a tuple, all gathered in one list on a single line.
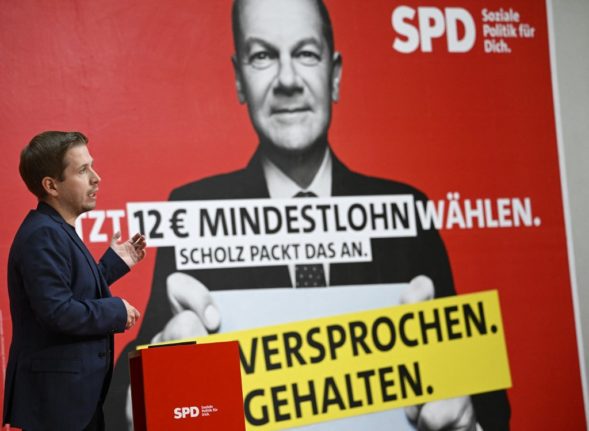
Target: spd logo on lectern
[(186, 412)]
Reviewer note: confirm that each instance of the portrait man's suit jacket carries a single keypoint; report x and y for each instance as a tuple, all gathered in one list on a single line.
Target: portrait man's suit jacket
[(63, 318), (394, 260)]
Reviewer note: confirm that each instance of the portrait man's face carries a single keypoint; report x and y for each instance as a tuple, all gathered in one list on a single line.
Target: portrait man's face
[(285, 72)]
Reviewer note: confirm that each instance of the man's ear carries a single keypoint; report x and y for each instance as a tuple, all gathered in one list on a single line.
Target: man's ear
[(336, 75), (238, 82), (50, 186)]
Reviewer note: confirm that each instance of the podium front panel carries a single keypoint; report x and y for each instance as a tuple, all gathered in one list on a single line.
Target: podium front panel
[(188, 387)]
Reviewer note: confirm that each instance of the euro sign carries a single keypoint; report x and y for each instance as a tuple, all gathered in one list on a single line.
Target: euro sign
[(177, 223)]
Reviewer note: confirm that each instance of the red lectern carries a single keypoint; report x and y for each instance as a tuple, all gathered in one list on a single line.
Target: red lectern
[(187, 387)]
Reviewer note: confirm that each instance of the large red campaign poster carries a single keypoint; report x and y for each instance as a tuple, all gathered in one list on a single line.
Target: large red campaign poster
[(454, 99)]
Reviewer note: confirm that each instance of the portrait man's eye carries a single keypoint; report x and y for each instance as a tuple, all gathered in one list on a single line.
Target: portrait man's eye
[(308, 58), (261, 59)]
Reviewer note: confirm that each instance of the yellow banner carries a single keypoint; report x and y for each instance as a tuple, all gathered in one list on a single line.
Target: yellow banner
[(334, 367)]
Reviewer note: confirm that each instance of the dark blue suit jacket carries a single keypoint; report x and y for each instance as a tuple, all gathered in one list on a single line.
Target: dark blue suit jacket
[(63, 321)]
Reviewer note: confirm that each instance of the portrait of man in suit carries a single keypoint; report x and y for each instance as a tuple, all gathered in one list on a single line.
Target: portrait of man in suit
[(288, 73), (63, 314)]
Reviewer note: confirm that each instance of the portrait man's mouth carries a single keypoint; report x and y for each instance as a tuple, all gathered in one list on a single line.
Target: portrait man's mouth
[(290, 114)]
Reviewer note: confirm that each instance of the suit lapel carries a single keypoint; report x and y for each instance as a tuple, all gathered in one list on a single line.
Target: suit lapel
[(47, 209), (89, 258), (340, 175)]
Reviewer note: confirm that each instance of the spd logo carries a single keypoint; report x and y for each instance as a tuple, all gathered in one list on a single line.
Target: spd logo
[(186, 412), (417, 28)]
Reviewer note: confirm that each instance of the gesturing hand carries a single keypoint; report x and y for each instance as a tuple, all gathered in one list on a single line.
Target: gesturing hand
[(131, 251)]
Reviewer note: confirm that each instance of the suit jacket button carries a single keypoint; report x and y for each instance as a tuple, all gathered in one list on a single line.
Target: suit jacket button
[(102, 354)]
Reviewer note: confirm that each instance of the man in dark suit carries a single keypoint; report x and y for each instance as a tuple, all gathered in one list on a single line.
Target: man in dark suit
[(288, 73), (63, 314)]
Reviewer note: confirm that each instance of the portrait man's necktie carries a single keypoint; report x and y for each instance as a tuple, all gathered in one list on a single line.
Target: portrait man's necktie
[(309, 275)]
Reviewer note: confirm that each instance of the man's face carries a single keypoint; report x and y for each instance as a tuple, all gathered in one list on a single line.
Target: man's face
[(285, 72), (76, 194)]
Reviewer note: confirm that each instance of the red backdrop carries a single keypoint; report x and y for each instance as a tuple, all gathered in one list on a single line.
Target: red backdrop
[(151, 84)]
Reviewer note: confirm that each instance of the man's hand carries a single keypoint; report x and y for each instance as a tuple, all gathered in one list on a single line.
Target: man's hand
[(131, 251), (421, 288), (195, 313), (132, 315), (455, 414)]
